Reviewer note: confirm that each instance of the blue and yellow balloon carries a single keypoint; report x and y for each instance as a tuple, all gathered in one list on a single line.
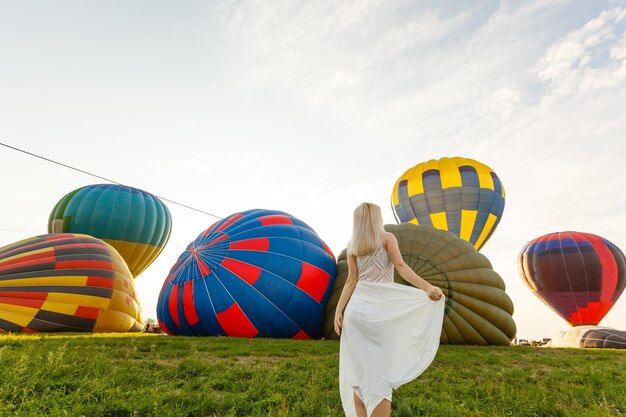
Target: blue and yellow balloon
[(136, 223), (457, 194)]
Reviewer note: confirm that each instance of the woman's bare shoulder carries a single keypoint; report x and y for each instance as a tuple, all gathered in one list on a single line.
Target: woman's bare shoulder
[(388, 237)]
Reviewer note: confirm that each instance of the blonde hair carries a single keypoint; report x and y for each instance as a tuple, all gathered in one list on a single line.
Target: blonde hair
[(367, 230)]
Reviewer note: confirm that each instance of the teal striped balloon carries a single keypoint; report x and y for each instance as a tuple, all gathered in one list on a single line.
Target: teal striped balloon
[(136, 223)]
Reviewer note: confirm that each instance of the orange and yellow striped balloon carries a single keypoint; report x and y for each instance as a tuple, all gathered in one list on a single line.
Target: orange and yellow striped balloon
[(66, 282)]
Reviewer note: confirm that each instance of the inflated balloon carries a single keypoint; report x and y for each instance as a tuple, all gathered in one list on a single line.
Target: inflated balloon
[(589, 337), (460, 195), (136, 223), (259, 273), (478, 311), (578, 275), (66, 282)]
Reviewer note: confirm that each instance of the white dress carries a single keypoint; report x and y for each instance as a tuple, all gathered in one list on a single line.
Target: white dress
[(390, 334)]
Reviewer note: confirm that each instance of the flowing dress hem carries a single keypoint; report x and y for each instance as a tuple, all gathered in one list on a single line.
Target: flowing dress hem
[(392, 328)]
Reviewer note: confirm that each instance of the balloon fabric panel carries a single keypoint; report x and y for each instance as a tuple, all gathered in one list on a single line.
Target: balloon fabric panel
[(497, 206), (604, 338), (205, 310), (620, 262), (259, 310)]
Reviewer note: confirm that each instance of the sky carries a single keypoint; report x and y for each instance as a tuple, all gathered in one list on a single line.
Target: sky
[(314, 107)]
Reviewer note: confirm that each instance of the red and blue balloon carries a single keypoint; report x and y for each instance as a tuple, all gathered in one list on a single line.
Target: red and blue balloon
[(258, 273), (578, 275)]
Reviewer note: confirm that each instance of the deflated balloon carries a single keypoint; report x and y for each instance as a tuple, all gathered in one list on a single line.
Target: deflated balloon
[(590, 337), (478, 311), (456, 194), (579, 275), (66, 282), (259, 273), (136, 223)]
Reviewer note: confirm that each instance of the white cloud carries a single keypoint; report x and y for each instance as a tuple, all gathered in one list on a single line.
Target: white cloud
[(569, 65)]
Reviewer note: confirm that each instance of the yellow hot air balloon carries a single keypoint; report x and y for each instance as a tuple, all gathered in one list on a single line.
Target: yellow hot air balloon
[(457, 194)]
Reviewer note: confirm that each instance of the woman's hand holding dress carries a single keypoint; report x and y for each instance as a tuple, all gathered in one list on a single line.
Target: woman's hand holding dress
[(434, 293), (338, 323)]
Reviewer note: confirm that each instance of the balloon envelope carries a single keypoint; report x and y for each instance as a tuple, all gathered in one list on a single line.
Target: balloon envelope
[(65, 282), (589, 337), (478, 311), (579, 275), (457, 194), (259, 273), (136, 223)]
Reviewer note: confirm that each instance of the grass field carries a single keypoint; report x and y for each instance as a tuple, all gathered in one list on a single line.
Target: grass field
[(154, 375)]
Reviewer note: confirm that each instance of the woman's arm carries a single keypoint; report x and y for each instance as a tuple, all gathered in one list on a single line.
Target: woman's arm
[(348, 288), (391, 245)]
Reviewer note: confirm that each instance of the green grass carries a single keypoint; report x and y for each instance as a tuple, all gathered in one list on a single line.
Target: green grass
[(150, 375)]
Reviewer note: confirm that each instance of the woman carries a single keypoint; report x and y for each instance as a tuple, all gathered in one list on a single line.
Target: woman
[(389, 332)]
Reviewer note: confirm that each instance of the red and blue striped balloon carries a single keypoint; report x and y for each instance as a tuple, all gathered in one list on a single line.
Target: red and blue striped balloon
[(259, 273), (578, 275)]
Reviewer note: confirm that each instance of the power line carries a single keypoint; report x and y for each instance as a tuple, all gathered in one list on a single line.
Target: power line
[(103, 178), (58, 163)]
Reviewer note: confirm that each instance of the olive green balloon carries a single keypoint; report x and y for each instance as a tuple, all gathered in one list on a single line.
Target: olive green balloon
[(478, 311)]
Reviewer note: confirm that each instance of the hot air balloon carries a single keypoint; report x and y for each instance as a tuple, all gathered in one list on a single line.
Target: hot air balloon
[(579, 275), (66, 282), (589, 337), (478, 311), (456, 194), (259, 273), (136, 223)]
